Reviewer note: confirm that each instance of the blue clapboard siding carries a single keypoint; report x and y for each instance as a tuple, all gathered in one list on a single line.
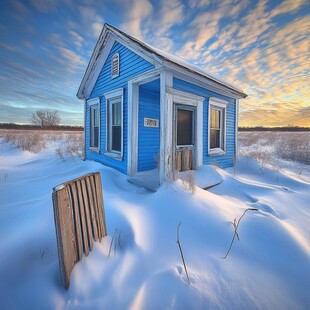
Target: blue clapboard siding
[(226, 160), (149, 138), (131, 65)]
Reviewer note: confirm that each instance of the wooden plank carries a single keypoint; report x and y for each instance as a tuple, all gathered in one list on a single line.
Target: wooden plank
[(179, 160), (87, 215), (93, 188), (92, 208), (100, 203), (83, 218), (67, 251), (77, 220)]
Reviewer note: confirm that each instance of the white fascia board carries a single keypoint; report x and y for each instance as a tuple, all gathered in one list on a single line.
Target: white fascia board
[(97, 66), (103, 38), (136, 48), (199, 80)]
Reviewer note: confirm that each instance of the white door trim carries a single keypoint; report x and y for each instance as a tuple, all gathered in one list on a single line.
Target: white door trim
[(183, 98)]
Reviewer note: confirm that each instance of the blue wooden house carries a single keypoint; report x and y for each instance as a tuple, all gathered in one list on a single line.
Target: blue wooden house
[(147, 109)]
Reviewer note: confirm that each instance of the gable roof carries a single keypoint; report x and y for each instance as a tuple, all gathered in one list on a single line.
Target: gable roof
[(150, 53)]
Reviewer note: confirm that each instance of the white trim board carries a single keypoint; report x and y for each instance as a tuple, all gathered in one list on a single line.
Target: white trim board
[(222, 106)]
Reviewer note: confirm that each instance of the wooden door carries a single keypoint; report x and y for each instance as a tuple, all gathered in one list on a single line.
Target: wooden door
[(185, 137)]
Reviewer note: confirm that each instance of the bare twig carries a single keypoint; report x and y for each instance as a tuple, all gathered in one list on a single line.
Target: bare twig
[(236, 225), (182, 256), (112, 243)]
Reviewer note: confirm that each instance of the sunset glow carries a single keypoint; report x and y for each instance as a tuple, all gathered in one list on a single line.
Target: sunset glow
[(261, 47)]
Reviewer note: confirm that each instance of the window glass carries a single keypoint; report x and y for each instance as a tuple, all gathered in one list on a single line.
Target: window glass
[(184, 127), (94, 123), (215, 118), (115, 125)]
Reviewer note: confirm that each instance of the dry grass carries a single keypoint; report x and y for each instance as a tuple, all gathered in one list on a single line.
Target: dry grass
[(33, 143), (266, 147), (65, 144)]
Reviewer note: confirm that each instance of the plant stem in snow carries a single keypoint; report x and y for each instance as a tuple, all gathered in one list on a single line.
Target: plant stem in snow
[(112, 243), (182, 256), (236, 225)]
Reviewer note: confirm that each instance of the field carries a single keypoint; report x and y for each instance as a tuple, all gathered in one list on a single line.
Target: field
[(266, 269)]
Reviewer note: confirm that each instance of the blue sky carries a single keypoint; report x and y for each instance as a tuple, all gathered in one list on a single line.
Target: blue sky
[(261, 47)]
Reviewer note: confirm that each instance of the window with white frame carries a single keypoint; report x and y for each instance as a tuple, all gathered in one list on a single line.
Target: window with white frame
[(94, 125), (114, 114), (217, 127), (115, 66)]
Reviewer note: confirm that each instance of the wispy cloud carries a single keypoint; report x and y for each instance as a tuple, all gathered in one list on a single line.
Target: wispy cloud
[(138, 10)]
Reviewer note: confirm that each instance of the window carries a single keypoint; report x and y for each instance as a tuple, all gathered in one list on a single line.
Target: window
[(114, 114), (115, 66), (94, 125), (115, 126), (185, 127), (217, 128)]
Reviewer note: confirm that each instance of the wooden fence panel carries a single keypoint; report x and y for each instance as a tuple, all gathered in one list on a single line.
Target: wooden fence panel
[(79, 218)]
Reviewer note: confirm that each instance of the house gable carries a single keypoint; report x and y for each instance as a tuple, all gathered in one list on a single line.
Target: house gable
[(130, 65)]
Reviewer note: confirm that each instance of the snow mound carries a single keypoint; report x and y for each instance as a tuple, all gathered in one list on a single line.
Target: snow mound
[(266, 268)]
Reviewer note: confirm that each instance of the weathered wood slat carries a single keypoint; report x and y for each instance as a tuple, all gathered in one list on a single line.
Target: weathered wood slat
[(100, 203), (92, 208), (66, 241), (77, 219), (93, 188), (83, 218), (87, 215)]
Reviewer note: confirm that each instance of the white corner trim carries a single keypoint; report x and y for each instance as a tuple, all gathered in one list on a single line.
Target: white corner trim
[(132, 145), (114, 93), (218, 102), (236, 128)]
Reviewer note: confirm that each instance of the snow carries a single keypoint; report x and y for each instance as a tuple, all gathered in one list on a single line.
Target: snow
[(268, 268)]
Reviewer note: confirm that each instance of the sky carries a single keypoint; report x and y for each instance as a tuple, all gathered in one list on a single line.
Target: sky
[(261, 47)]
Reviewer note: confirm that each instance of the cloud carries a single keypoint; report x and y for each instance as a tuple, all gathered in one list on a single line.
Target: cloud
[(137, 12), (288, 6), (77, 39)]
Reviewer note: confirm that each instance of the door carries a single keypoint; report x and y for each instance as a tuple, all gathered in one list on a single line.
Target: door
[(185, 137)]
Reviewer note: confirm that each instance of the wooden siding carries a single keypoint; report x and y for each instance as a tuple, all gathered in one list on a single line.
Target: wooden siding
[(149, 138), (131, 65), (226, 160)]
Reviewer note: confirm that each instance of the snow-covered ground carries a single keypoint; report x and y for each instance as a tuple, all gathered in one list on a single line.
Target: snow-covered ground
[(269, 268)]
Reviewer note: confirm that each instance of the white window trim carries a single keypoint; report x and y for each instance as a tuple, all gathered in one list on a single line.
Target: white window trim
[(113, 76), (221, 105), (90, 103), (110, 95)]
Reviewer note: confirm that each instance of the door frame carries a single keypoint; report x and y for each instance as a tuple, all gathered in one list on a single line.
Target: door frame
[(191, 147), (187, 99)]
